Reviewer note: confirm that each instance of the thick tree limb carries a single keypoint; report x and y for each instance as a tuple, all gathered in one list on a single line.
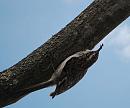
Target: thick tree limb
[(84, 32)]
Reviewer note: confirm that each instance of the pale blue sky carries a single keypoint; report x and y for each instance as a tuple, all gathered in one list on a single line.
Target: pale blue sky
[(27, 24)]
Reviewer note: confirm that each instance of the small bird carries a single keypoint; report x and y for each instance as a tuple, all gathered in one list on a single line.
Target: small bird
[(69, 72)]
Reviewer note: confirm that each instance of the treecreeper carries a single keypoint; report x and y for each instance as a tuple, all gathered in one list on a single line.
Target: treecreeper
[(68, 73)]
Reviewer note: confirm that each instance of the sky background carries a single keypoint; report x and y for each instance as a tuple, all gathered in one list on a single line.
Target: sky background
[(27, 24)]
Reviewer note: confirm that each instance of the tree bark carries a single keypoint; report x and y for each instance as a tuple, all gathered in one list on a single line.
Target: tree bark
[(84, 32)]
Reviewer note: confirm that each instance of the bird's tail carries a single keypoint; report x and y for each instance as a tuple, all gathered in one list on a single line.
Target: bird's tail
[(36, 87)]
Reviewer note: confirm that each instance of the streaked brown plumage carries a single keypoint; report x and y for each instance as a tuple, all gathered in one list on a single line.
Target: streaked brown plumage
[(69, 72)]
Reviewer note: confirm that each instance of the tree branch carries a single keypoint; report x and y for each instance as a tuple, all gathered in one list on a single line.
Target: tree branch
[(84, 32)]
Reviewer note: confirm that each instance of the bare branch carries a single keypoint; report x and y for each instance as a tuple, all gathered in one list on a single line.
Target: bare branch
[(84, 32)]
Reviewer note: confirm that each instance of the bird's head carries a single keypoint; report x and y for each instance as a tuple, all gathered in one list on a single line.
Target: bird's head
[(92, 56)]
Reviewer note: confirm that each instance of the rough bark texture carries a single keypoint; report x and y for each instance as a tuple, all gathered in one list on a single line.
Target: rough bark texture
[(84, 32)]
